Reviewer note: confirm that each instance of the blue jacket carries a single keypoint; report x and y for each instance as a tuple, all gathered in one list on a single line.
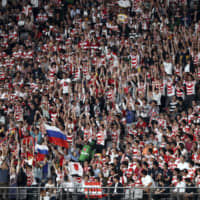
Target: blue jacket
[(130, 116), (4, 176)]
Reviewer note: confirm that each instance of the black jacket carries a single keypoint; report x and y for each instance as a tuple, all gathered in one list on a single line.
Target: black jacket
[(119, 192)]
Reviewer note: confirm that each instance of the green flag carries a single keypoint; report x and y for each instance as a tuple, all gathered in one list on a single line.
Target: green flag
[(85, 153)]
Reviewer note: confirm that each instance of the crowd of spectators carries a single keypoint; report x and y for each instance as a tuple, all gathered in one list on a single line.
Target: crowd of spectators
[(125, 74)]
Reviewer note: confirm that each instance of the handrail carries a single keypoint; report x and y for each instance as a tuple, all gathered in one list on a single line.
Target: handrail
[(126, 193), (127, 187)]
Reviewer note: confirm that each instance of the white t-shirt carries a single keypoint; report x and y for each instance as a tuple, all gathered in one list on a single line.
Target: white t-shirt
[(157, 97), (65, 84), (147, 180), (187, 68), (180, 187), (3, 3), (124, 3), (168, 67), (183, 166)]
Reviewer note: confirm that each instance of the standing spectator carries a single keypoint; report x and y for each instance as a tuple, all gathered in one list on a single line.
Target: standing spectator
[(4, 179), (117, 192), (180, 187), (148, 183)]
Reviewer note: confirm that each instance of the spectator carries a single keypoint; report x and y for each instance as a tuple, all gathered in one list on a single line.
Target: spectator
[(124, 74), (4, 180), (118, 190), (190, 190), (180, 187), (148, 183)]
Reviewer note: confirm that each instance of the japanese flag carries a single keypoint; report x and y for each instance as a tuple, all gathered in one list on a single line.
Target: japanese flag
[(75, 168)]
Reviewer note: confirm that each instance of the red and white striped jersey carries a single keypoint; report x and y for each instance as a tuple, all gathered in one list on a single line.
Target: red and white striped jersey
[(65, 84), (84, 44), (129, 172), (12, 97), (87, 134), (94, 46), (196, 157), (53, 116), (134, 61), (13, 35), (115, 136), (85, 71), (175, 129), (9, 62), (69, 138), (110, 95), (132, 131), (51, 74), (18, 113), (3, 54), (17, 54), (172, 165), (190, 118), (174, 181), (196, 59), (197, 181), (30, 178), (186, 129), (86, 169), (28, 54), (60, 176), (45, 47), (178, 71), (102, 61), (180, 91), (190, 87), (101, 136), (198, 72), (136, 152), (2, 75), (162, 88), (33, 85), (123, 180), (192, 172), (27, 10), (162, 123), (42, 17), (141, 89), (170, 88)]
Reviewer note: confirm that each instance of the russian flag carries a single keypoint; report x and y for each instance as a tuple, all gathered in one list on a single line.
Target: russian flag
[(56, 136), (42, 151)]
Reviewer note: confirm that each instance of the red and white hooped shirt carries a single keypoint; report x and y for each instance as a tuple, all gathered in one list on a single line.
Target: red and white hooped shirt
[(87, 134), (134, 61), (197, 181), (180, 91), (77, 74), (27, 10), (69, 138), (115, 136), (101, 136), (190, 87), (18, 113), (170, 88)]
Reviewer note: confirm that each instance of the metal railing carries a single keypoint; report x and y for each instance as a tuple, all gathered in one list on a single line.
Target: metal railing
[(108, 193)]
